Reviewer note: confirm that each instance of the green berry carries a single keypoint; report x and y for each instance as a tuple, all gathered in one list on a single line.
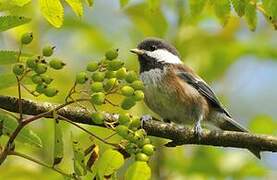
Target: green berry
[(131, 148), (98, 76), (50, 92), (137, 85), (138, 137), (48, 50), (110, 74), (145, 141), (111, 54), (98, 118), (92, 66), (138, 95), (81, 77), (127, 91), (110, 84), (115, 65), (128, 103), (27, 38), (37, 79), (142, 157), (31, 62), (46, 79), (148, 149), (131, 76), (124, 119), (40, 68), (97, 87), (98, 98), (40, 88), (122, 131), (121, 73), (56, 64), (18, 69), (135, 123)]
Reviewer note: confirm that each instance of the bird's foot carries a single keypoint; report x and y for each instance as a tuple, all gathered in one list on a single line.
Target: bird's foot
[(144, 119), (197, 129)]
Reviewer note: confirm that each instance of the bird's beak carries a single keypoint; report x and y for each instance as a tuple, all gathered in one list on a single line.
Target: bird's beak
[(137, 51)]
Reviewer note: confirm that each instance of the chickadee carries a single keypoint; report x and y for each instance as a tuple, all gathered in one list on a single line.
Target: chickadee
[(176, 93)]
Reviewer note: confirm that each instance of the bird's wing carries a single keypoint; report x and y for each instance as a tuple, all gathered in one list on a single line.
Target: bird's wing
[(203, 89)]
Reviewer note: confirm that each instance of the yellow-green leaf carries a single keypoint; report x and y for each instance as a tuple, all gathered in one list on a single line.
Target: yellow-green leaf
[(138, 170), (25, 136), (222, 10), (109, 162), (251, 16), (53, 12), (8, 22), (58, 143), (79, 158), (270, 7), (20, 2), (196, 6), (239, 6), (76, 6)]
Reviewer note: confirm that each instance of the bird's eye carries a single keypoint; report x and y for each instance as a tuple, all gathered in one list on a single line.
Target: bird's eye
[(153, 48)]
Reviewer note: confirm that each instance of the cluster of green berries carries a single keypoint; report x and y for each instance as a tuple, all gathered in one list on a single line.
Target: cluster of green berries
[(109, 76), (39, 66), (137, 141)]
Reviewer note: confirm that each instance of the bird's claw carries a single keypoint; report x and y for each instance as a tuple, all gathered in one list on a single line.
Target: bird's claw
[(198, 131), (145, 118)]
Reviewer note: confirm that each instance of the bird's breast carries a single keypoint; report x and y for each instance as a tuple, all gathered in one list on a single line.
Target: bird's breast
[(164, 99)]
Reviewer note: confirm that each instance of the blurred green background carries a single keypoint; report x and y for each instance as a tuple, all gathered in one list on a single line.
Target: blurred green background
[(240, 65)]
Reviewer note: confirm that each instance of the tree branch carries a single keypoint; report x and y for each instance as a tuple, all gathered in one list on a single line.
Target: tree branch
[(178, 135)]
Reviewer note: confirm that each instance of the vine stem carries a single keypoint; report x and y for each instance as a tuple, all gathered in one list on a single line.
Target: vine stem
[(85, 130), (14, 153)]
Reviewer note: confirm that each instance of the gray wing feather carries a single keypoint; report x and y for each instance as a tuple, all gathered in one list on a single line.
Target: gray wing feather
[(203, 89)]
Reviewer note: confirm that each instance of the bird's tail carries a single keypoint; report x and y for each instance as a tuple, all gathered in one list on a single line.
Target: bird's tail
[(227, 123)]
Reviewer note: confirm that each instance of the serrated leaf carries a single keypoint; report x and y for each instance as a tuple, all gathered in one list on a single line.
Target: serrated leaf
[(270, 7), (53, 12), (222, 10), (76, 6), (239, 6), (58, 143), (78, 159), (138, 170), (196, 6), (8, 57), (20, 2), (251, 16), (7, 80), (109, 162), (123, 3), (26, 135), (8, 22)]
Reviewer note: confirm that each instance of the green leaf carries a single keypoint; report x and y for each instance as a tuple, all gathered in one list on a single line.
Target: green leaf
[(138, 170), (222, 10), (20, 2), (26, 135), (123, 3), (58, 143), (76, 6), (90, 3), (153, 5), (270, 7), (196, 6), (8, 57), (7, 80), (53, 12), (79, 158), (251, 16), (8, 22), (109, 162), (239, 6)]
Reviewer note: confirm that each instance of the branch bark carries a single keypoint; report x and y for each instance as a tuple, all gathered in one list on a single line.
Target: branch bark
[(178, 135)]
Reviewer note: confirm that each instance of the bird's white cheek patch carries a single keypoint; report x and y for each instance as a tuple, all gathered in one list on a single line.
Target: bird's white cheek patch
[(162, 55)]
